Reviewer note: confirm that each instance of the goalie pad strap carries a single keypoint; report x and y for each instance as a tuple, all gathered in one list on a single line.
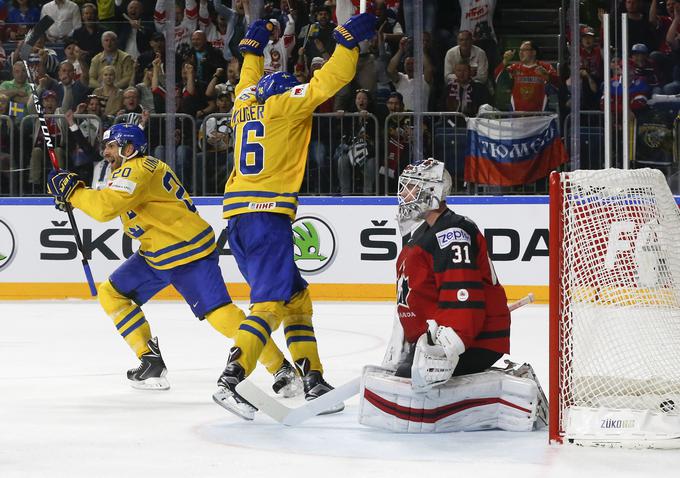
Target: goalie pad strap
[(480, 401)]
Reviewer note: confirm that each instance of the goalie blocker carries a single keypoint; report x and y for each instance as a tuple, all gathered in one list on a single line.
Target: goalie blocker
[(508, 399)]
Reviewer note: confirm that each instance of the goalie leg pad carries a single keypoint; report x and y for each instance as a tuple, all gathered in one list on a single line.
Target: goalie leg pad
[(482, 401)]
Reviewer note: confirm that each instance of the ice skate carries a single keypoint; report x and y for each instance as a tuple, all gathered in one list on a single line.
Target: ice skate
[(150, 375), (315, 385), (226, 395), (287, 382)]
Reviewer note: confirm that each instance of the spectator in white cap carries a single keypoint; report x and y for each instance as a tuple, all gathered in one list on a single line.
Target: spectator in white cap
[(278, 51), (643, 67)]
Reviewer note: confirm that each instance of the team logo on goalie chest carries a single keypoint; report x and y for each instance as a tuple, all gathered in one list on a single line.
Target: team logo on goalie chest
[(7, 244)]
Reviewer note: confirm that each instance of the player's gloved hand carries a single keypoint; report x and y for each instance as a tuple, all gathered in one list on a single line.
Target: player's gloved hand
[(256, 37), (357, 29), (59, 204), (61, 184)]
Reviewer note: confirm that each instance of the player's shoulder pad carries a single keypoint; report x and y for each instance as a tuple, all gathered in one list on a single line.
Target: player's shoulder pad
[(299, 91), (247, 93)]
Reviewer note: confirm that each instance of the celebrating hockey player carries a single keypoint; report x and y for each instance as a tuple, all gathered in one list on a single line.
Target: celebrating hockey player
[(177, 247), (272, 123), (453, 322)]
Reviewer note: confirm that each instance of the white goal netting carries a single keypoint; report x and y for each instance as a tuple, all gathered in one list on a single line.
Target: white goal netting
[(619, 279)]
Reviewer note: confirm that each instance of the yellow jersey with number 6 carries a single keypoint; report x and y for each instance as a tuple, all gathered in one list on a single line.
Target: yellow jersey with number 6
[(271, 140), (155, 209)]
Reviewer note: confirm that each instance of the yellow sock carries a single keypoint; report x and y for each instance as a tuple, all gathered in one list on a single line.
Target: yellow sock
[(226, 321), (254, 332), (127, 317), (299, 331)]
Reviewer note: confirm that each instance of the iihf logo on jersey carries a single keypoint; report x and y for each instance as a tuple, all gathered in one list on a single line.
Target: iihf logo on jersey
[(8, 246), (314, 244)]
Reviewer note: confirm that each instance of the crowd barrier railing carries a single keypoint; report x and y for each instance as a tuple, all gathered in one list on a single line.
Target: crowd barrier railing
[(216, 153), (444, 138), (591, 140), (8, 157), (349, 153), (344, 155), (33, 161)]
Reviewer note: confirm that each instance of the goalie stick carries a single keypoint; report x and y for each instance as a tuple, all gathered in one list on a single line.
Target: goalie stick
[(528, 299), (294, 416), (40, 28)]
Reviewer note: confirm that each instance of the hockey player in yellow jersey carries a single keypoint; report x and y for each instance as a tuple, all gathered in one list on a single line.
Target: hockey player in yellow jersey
[(177, 247), (272, 122)]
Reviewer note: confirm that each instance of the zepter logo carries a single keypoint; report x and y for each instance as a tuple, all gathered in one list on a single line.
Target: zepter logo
[(8, 246), (315, 245)]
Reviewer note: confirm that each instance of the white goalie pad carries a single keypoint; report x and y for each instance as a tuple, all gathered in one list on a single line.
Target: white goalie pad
[(483, 401), (395, 347)]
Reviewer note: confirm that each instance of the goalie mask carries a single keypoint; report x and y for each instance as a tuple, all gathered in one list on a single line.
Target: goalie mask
[(422, 187)]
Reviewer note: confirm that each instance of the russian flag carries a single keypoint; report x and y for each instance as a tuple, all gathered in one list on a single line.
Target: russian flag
[(512, 151)]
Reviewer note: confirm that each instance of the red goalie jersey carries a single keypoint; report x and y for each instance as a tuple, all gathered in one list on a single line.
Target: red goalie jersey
[(445, 274)]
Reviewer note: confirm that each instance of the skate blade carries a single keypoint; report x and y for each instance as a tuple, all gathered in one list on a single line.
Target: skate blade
[(334, 409), (155, 383), (292, 389), (227, 402)]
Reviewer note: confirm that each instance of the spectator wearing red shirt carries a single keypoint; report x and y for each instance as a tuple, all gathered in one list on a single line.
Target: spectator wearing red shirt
[(530, 78), (591, 54)]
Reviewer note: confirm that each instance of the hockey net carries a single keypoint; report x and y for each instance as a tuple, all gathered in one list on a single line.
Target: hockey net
[(615, 307)]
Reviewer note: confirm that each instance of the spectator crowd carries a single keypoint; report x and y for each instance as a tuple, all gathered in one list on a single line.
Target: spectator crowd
[(105, 61)]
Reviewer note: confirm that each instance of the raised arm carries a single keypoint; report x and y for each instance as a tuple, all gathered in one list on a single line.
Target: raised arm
[(340, 68), (252, 47), (393, 65)]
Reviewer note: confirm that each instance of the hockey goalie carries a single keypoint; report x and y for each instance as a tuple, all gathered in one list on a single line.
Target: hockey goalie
[(452, 326)]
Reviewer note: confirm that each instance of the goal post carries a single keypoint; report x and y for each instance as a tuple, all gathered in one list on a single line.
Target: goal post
[(614, 309)]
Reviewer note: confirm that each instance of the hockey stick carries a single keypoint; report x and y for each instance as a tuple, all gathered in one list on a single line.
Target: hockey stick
[(294, 416), (522, 302), (39, 29)]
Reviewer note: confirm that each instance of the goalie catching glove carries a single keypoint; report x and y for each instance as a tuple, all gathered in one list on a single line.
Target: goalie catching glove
[(61, 185), (436, 356), (256, 38)]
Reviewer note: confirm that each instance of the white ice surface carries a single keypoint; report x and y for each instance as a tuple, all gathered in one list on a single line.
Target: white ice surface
[(66, 408)]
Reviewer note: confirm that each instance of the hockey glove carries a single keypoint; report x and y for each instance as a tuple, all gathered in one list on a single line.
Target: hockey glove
[(357, 29), (61, 184), (256, 38), (59, 204)]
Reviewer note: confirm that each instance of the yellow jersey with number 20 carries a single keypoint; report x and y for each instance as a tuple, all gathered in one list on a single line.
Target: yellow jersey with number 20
[(271, 140), (154, 208)]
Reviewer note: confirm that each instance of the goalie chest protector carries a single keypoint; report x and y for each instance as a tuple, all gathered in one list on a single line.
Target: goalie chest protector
[(444, 273)]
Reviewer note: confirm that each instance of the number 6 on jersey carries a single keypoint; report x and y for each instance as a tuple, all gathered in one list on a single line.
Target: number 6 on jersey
[(251, 155)]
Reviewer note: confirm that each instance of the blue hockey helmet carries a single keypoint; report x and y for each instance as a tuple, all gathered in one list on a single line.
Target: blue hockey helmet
[(126, 133), (274, 84)]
